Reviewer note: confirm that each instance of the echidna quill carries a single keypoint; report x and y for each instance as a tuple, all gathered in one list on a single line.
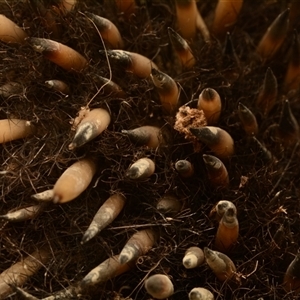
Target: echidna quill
[(232, 69)]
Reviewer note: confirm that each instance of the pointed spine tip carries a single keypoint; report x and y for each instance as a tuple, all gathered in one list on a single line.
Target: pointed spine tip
[(208, 94), (187, 263), (123, 259), (86, 237), (72, 146)]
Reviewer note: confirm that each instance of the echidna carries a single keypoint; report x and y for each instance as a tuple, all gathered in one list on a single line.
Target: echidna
[(89, 88)]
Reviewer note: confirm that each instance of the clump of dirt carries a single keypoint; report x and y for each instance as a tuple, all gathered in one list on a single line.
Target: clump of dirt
[(187, 118)]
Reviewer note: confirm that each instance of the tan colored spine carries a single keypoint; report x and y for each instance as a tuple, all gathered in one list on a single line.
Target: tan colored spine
[(248, 120), (217, 139), (24, 295), (274, 36), (292, 76), (106, 214), (159, 286), (169, 205), (193, 258), (135, 63), (186, 17), (110, 87), (74, 180), (182, 49), (288, 127), (228, 231), (21, 271), (44, 196), (267, 95), (221, 265), (138, 245), (127, 7), (23, 214), (10, 89), (58, 86), (291, 280), (226, 15), (14, 129), (220, 208), (294, 13), (108, 30), (94, 122), (184, 168), (60, 54), (10, 32), (107, 270), (199, 293), (210, 102), (167, 89), (217, 172), (201, 26), (141, 169), (149, 136)]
